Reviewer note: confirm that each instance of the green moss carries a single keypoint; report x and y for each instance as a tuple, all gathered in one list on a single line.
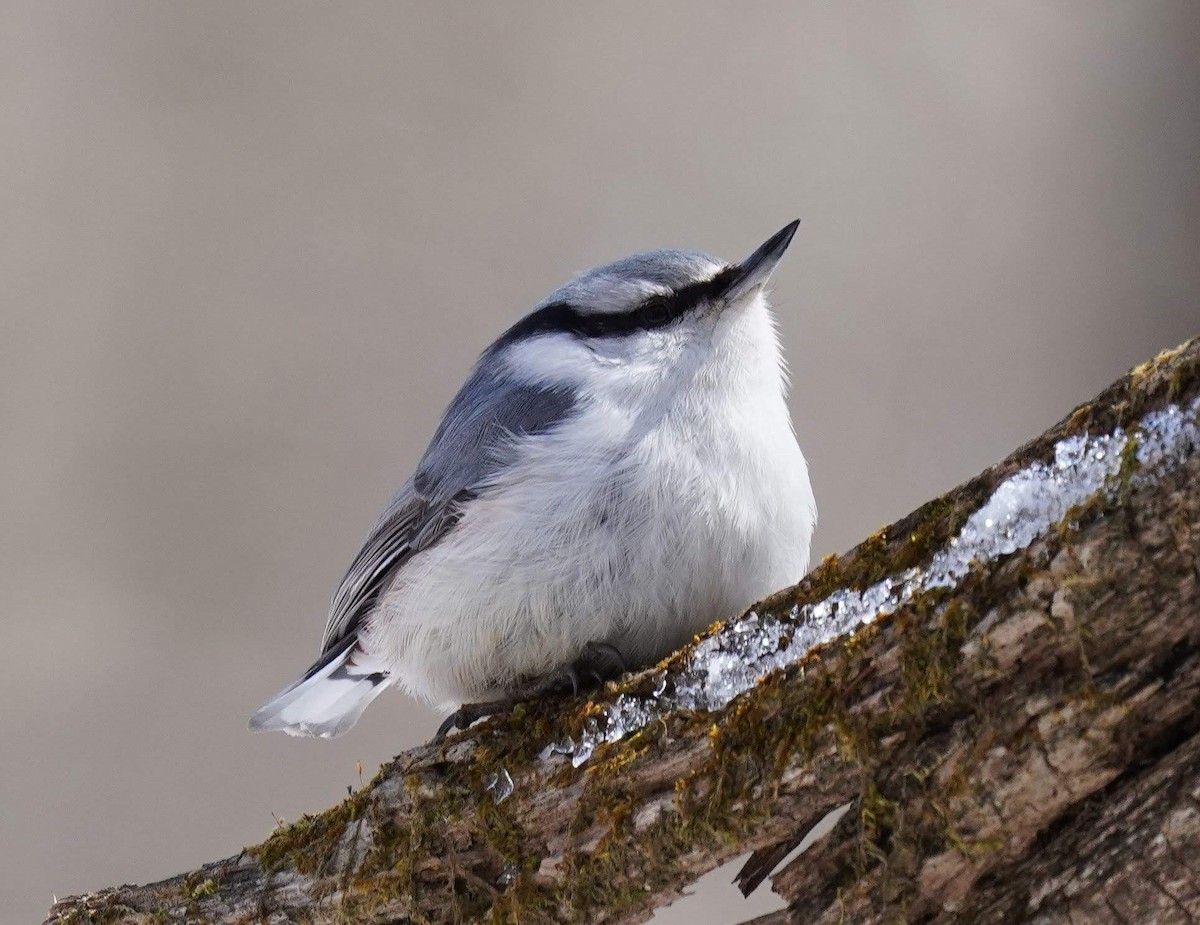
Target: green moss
[(307, 843), (450, 816), (112, 913), (929, 651), (893, 549), (207, 888)]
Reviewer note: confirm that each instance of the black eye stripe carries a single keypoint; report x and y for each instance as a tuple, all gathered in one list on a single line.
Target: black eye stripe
[(656, 312)]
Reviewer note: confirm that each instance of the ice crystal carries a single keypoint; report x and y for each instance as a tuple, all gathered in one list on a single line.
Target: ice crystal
[(565, 747), (1022, 508), (508, 874), (500, 786)]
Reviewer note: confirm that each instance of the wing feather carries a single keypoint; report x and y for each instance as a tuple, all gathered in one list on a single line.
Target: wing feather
[(477, 436)]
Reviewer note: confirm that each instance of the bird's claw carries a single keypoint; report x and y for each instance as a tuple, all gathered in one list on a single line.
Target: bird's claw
[(465, 715), (595, 663), (452, 723), (602, 661)]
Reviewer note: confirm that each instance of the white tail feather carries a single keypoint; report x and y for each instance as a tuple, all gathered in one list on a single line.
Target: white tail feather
[(326, 703)]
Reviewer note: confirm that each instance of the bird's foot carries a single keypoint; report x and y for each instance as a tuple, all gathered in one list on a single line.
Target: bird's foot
[(601, 661), (597, 663)]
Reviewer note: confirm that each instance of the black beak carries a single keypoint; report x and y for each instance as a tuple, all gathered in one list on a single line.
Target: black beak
[(758, 267)]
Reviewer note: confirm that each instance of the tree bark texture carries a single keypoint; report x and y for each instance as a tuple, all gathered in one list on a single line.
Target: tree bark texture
[(1022, 747)]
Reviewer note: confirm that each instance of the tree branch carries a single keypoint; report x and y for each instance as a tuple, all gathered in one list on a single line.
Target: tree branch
[(1019, 741)]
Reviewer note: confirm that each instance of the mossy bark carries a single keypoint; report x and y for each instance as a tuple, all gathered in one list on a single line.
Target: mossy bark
[(1023, 747)]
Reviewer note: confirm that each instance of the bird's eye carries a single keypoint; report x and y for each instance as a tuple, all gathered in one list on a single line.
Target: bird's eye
[(655, 315)]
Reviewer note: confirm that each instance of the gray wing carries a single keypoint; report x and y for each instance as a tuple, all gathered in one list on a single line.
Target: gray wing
[(473, 442)]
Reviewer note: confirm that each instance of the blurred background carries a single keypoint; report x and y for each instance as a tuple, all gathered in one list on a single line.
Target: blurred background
[(249, 251)]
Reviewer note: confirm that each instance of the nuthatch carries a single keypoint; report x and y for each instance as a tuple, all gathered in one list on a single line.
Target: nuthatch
[(618, 472)]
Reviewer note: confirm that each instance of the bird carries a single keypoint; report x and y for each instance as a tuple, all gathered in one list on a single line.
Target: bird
[(619, 471)]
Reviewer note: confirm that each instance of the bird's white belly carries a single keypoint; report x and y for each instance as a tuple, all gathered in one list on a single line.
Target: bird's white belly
[(639, 544)]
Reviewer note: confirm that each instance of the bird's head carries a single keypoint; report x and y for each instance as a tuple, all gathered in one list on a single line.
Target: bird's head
[(639, 313)]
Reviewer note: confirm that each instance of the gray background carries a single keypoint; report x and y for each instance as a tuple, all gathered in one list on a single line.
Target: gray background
[(248, 252)]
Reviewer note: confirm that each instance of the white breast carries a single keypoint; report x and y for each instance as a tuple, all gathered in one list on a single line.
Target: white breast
[(674, 498)]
